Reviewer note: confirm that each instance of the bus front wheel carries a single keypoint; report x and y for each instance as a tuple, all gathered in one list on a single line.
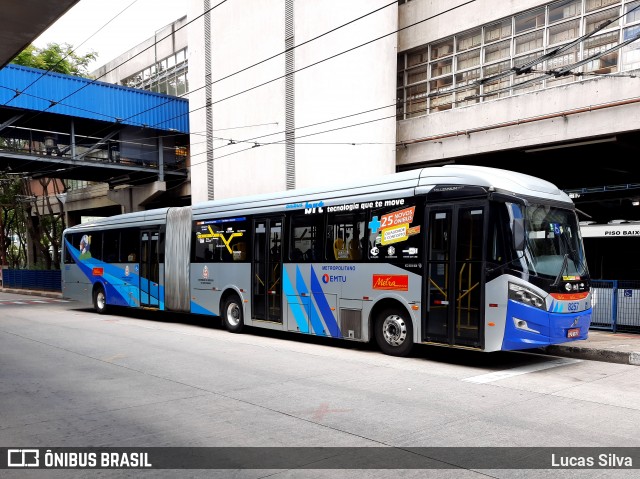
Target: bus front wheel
[(99, 300), (232, 314), (394, 332)]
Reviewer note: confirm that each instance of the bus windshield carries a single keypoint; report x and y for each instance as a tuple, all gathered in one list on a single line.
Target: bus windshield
[(553, 245)]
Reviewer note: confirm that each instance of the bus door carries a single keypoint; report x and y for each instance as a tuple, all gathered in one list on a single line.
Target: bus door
[(149, 269), (267, 269), (454, 288)]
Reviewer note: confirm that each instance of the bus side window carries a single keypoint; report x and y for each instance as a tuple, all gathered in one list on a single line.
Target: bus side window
[(129, 244), (68, 257), (111, 246), (347, 235), (305, 238)]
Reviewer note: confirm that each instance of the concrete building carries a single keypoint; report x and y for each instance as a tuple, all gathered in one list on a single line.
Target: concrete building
[(300, 93), (532, 86), (158, 64)]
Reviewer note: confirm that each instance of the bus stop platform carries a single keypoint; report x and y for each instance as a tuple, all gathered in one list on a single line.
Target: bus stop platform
[(607, 346), (623, 348)]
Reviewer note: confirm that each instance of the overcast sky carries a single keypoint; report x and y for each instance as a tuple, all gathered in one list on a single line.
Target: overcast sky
[(112, 30)]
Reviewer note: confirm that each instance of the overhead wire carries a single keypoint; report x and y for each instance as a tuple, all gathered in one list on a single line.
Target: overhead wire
[(232, 74), (255, 64), (555, 52), (319, 61)]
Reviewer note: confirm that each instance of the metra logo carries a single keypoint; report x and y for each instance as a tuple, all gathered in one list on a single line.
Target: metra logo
[(333, 279), (395, 282)]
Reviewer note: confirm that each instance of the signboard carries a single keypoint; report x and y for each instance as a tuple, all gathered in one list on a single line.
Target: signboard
[(610, 231)]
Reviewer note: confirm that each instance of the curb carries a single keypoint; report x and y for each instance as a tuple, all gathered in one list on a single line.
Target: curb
[(31, 292), (606, 355)]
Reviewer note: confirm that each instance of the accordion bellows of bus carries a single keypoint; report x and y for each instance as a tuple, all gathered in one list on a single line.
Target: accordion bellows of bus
[(456, 256)]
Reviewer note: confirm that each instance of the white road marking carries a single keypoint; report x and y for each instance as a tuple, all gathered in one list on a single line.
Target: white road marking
[(530, 368)]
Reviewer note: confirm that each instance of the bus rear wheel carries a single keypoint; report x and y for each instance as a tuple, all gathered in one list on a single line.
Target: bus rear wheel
[(394, 332), (99, 300), (232, 314)]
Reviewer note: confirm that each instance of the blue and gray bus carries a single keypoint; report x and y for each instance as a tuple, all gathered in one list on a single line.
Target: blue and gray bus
[(457, 256)]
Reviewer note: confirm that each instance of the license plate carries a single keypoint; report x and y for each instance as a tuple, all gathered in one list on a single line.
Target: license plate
[(573, 333)]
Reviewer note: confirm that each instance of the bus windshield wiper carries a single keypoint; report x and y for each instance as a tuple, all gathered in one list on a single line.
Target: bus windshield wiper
[(562, 268)]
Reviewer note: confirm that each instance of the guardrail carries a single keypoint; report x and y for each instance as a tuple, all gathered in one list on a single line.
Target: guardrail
[(616, 305)]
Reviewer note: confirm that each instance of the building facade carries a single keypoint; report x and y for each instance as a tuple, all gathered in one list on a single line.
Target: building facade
[(284, 96), (297, 93)]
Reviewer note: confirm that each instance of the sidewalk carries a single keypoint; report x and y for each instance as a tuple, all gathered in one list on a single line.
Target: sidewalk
[(32, 292), (623, 348)]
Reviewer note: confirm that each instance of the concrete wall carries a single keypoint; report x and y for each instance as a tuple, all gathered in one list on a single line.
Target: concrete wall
[(361, 80)]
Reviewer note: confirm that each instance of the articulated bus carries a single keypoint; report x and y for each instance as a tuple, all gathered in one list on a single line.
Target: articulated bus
[(457, 256)]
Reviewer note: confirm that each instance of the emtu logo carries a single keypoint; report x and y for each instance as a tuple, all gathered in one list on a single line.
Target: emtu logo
[(23, 457), (333, 279)]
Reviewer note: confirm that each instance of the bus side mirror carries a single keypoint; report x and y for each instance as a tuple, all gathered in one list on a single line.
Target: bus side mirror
[(518, 234)]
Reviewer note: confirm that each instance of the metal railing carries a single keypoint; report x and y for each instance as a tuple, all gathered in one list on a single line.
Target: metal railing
[(44, 280), (616, 305)]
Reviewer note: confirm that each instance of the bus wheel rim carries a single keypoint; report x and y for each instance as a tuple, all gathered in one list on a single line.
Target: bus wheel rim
[(100, 300), (394, 330), (233, 314)]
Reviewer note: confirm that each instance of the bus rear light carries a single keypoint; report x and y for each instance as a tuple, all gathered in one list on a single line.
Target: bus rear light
[(493, 305), (366, 298)]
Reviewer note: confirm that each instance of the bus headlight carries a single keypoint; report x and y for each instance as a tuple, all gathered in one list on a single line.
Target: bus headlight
[(525, 296)]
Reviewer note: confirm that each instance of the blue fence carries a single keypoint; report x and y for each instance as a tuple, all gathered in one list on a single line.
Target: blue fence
[(47, 280), (616, 305)]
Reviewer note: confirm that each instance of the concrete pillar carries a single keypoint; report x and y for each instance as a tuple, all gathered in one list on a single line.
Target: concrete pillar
[(134, 198)]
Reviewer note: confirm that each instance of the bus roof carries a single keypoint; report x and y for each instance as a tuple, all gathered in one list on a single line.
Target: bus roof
[(397, 184), (390, 186)]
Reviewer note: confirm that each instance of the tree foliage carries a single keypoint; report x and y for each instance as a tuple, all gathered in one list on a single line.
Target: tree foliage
[(56, 57)]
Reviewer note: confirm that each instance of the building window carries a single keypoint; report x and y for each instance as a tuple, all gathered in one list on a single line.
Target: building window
[(529, 20), (482, 64), (604, 64), (564, 10), (592, 5), (631, 52), (168, 76)]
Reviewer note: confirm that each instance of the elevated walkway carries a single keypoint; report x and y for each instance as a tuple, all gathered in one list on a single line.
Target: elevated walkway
[(62, 126)]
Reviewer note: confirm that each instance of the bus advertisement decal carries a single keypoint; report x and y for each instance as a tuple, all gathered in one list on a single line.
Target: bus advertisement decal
[(391, 282), (323, 305), (296, 308), (395, 234), (397, 218)]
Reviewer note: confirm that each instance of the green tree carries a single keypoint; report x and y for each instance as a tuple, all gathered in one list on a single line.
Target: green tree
[(56, 57)]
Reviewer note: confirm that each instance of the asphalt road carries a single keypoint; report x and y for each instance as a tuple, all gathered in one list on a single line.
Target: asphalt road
[(72, 378)]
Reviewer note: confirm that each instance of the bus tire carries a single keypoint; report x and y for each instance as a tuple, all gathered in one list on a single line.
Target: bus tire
[(393, 331), (99, 299), (232, 314)]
